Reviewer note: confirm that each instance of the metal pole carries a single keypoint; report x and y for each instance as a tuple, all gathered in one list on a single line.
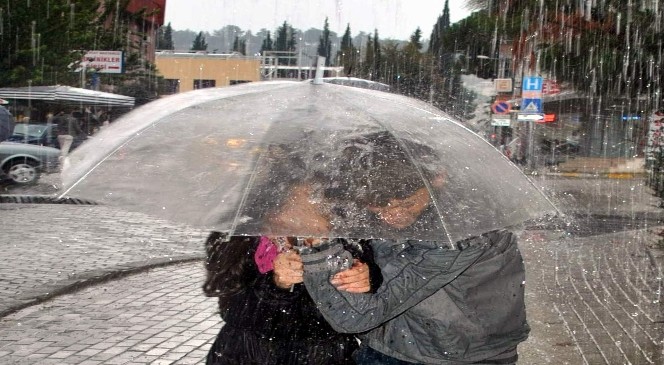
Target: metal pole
[(531, 145), (299, 61)]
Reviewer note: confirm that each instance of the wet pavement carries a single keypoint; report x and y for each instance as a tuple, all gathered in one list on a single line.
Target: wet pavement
[(96, 285)]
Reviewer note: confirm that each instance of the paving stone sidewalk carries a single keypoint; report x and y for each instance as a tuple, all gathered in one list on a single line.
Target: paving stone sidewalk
[(50, 249), (160, 316)]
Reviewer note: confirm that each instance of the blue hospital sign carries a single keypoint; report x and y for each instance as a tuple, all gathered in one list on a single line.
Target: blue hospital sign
[(532, 84)]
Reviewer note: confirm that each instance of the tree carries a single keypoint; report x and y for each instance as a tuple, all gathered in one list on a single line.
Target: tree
[(37, 44), (324, 43), (347, 53), (240, 45), (376, 61), (199, 43), (285, 38), (415, 43), (438, 32), (367, 69), (165, 37), (267, 43)]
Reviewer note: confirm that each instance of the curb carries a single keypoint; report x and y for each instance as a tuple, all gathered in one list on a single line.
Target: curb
[(605, 175), (94, 277)]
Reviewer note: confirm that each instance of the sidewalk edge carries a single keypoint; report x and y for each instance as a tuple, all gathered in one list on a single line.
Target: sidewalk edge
[(110, 274)]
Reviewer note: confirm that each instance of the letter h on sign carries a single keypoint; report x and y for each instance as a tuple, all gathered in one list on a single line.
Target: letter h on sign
[(532, 84)]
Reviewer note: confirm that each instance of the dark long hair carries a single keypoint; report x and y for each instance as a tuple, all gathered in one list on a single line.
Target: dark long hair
[(228, 265)]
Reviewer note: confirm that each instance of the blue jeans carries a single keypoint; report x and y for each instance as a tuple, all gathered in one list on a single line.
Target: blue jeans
[(365, 355)]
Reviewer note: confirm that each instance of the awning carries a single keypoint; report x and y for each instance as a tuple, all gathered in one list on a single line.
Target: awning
[(66, 95)]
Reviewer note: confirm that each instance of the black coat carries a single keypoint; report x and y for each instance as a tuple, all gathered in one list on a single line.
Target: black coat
[(265, 324)]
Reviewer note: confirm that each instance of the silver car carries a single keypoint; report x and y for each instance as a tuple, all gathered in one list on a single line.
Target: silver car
[(22, 163)]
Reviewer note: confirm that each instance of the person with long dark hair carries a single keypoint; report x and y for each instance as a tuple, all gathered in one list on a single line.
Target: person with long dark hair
[(269, 317)]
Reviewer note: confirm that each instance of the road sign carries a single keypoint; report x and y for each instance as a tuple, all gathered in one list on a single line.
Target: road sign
[(532, 83), (501, 107), (500, 122), (529, 117), (531, 106)]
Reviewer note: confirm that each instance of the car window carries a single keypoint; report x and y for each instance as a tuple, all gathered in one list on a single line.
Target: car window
[(31, 130)]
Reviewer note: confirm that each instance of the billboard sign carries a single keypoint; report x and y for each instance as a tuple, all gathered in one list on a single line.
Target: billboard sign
[(655, 143), (503, 85), (106, 62)]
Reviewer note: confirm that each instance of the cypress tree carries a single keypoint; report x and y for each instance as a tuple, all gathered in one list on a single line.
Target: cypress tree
[(199, 43)]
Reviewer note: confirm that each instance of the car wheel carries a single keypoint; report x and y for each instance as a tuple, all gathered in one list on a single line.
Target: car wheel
[(23, 172)]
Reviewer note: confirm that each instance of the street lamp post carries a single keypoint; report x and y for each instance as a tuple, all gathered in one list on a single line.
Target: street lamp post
[(299, 60)]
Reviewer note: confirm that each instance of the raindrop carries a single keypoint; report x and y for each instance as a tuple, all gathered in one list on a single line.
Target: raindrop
[(71, 15)]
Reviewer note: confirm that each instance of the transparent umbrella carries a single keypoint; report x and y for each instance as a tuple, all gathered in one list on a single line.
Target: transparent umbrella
[(228, 158)]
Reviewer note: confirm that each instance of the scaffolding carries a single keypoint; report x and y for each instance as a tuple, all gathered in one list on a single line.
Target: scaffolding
[(288, 65)]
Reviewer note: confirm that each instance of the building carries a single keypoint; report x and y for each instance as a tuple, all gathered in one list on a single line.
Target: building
[(187, 71), (144, 32)]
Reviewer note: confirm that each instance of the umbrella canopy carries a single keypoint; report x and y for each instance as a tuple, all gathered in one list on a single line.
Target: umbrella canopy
[(230, 158), (67, 95)]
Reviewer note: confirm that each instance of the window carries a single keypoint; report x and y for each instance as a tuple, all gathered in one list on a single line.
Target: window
[(202, 84), (236, 82), (172, 86)]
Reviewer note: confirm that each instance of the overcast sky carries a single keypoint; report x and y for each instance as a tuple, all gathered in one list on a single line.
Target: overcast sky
[(396, 19)]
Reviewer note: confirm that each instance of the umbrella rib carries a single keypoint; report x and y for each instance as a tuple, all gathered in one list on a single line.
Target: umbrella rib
[(63, 195), (419, 171), (435, 115), (424, 180), (428, 186), (245, 194)]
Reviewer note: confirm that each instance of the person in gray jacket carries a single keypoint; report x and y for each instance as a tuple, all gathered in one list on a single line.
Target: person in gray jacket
[(436, 305), (6, 121)]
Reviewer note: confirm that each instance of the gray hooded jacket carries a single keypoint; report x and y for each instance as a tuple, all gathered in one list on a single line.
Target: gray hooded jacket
[(435, 305)]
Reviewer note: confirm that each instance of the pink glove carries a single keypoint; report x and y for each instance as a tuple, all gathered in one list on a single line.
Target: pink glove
[(265, 254)]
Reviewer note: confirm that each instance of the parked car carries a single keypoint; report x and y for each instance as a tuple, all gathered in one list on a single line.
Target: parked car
[(22, 163), (40, 134), (556, 154)]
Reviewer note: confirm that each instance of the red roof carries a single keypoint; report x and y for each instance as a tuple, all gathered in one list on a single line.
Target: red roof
[(155, 9)]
